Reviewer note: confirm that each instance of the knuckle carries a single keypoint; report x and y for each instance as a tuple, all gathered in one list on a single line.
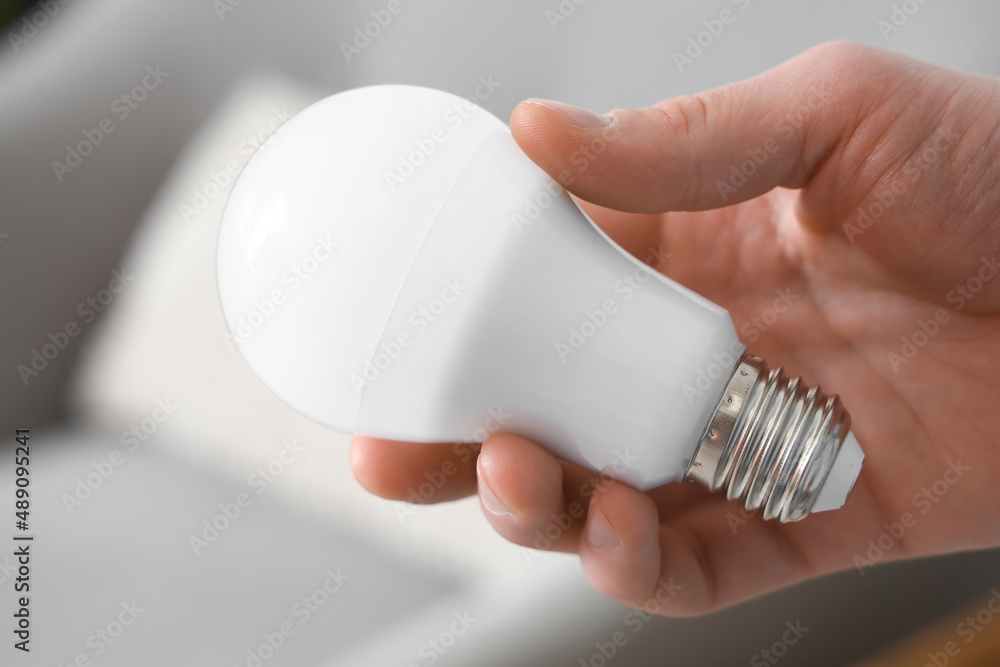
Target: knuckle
[(683, 116)]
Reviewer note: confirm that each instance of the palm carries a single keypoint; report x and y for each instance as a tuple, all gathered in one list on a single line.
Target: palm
[(839, 333)]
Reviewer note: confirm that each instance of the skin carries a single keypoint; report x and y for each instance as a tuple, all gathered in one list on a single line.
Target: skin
[(794, 225)]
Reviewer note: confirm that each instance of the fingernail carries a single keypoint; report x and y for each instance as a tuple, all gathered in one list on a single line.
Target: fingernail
[(599, 532), (490, 500), (585, 120)]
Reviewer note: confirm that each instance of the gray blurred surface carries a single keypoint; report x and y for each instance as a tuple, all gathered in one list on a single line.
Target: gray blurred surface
[(128, 543)]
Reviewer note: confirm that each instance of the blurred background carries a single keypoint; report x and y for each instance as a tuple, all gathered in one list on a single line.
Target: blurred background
[(185, 516)]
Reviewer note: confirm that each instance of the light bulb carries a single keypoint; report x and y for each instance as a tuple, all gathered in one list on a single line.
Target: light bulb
[(391, 264)]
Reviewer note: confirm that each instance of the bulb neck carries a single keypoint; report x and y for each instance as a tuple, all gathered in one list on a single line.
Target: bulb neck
[(771, 441)]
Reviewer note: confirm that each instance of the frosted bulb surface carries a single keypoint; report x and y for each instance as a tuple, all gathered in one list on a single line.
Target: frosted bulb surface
[(391, 264)]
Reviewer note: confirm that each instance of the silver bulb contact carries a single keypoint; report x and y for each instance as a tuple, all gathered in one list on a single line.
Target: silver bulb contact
[(772, 442)]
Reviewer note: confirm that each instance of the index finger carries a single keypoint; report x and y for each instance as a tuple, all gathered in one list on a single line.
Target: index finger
[(415, 472)]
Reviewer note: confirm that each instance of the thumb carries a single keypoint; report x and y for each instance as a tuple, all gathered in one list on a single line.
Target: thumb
[(715, 148)]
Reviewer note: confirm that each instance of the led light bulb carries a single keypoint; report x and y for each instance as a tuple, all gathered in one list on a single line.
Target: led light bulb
[(391, 264)]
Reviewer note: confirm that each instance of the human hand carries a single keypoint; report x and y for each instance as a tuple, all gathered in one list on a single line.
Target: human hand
[(869, 207)]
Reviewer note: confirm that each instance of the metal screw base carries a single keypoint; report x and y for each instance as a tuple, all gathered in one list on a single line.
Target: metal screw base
[(771, 442)]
